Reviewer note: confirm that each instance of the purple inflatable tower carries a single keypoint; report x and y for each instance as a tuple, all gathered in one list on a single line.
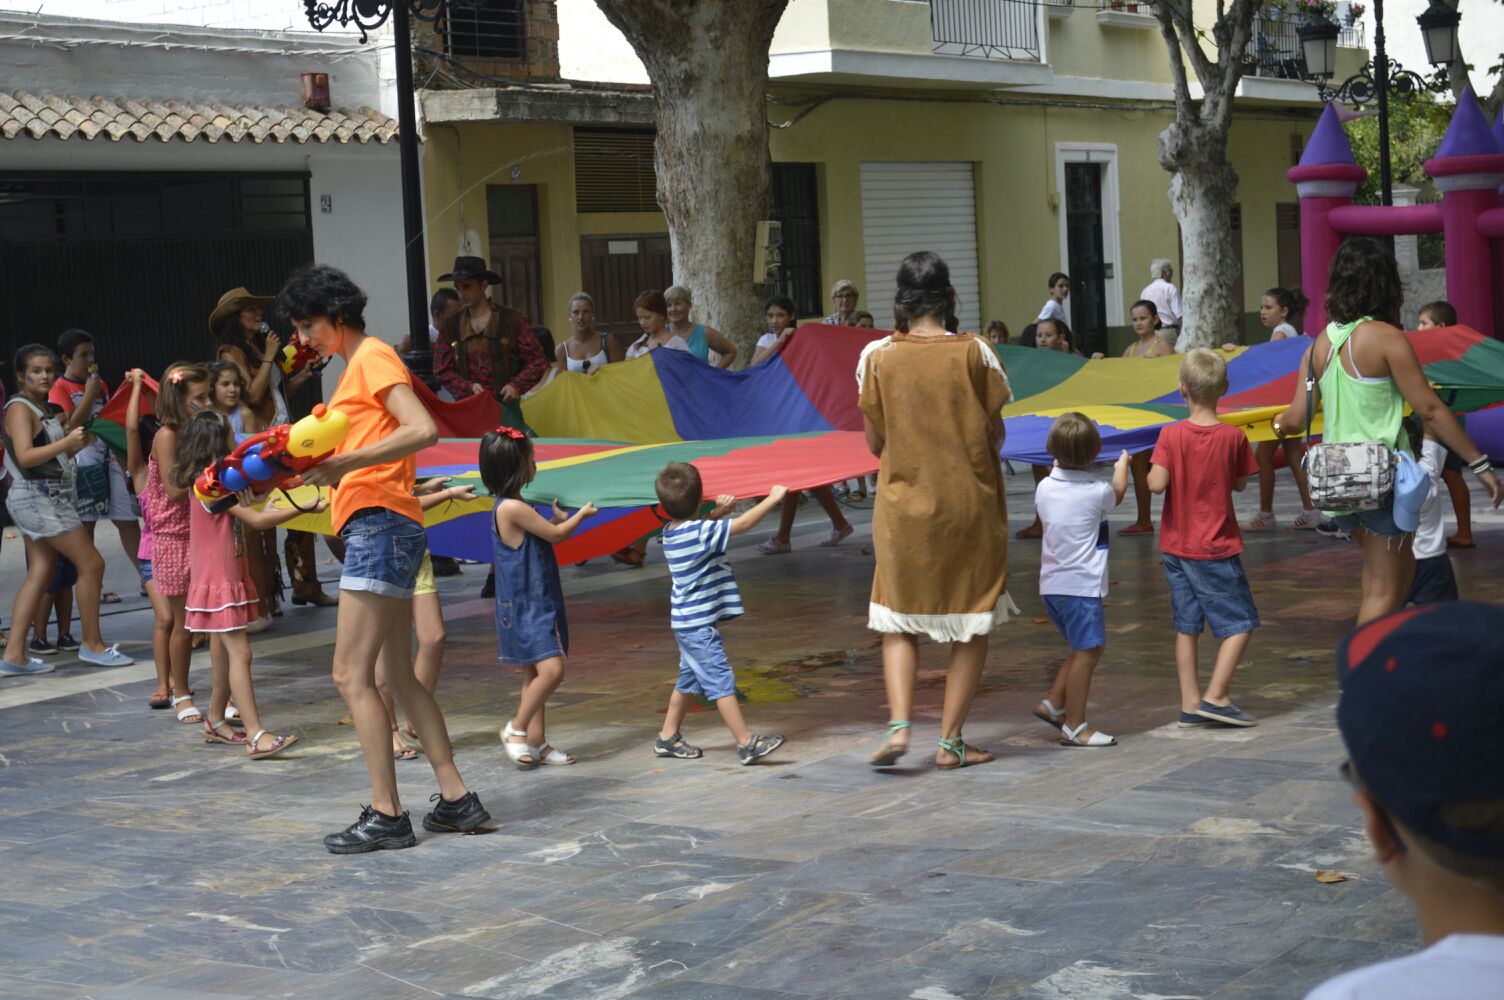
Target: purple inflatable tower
[(1326, 178), (1468, 169)]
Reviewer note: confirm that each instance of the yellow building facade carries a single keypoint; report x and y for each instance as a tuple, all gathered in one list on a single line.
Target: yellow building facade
[(1037, 151)]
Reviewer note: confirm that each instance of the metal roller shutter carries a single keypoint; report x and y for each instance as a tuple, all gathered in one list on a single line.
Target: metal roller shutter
[(920, 206)]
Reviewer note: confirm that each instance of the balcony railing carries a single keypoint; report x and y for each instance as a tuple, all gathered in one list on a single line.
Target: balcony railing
[(989, 29), (1275, 52)]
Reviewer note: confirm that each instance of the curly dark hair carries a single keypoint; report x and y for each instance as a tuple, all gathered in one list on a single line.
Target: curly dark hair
[(924, 290), (504, 463), (202, 441), (1364, 280), (321, 290)]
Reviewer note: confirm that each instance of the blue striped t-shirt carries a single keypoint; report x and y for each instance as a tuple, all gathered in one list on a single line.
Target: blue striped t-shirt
[(704, 591)]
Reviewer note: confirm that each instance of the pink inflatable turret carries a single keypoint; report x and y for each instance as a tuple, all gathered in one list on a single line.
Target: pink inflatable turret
[(1468, 169), (1326, 178)]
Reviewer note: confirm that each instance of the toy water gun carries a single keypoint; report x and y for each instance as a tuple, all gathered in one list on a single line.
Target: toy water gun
[(271, 459), (297, 355)]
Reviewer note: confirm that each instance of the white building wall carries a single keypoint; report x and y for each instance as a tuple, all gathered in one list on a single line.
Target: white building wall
[(263, 15)]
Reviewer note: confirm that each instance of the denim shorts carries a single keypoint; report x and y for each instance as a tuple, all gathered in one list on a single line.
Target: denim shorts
[(143, 566), (43, 508), (1380, 522), (1081, 620), (1210, 592), (703, 667), (383, 551)]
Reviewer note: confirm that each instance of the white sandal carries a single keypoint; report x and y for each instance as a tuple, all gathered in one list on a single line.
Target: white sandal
[(521, 753), (1097, 739), (191, 714), (1051, 716), (553, 755)]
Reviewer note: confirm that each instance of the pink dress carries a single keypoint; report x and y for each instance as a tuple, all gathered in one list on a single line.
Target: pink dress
[(169, 535), (221, 597)]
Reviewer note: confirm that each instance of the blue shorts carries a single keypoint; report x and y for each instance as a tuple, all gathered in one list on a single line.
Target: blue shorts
[(1380, 522), (63, 576), (383, 551), (1434, 581), (1080, 619), (143, 566), (703, 667), (1210, 591)]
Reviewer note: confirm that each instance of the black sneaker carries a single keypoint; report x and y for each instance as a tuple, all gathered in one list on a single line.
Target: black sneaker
[(676, 747), (374, 831), (758, 747), (462, 816), (41, 647), (66, 642)]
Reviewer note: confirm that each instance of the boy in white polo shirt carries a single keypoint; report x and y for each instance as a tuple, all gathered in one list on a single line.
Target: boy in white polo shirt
[(1073, 506)]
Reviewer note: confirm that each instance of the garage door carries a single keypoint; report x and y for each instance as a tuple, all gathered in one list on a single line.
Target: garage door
[(920, 206)]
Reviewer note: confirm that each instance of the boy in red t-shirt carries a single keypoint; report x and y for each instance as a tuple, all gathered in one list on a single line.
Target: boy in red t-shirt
[(1197, 464)]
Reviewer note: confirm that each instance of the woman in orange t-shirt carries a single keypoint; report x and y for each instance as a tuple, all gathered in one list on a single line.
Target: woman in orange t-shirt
[(371, 477)]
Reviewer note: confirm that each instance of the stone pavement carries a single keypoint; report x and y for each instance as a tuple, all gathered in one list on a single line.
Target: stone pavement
[(139, 863)]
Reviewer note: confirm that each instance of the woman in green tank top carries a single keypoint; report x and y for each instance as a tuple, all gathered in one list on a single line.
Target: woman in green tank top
[(1367, 372)]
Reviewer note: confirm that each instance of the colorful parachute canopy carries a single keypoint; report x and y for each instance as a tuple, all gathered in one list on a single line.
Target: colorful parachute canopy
[(811, 386), (794, 420)]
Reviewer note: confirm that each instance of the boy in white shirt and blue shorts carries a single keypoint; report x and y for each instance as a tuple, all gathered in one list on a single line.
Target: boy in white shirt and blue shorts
[(1073, 506)]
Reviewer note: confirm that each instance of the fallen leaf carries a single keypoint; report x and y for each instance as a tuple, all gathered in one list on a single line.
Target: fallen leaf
[(347, 721), (865, 552), (1113, 583), (659, 770), (1327, 878), (636, 645), (1041, 621)]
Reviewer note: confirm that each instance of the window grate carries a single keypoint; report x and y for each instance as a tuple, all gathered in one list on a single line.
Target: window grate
[(485, 29), (614, 172)]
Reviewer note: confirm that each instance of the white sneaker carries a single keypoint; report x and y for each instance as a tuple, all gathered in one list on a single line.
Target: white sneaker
[(1262, 521), (260, 624), (773, 547), (837, 536), (1308, 520)]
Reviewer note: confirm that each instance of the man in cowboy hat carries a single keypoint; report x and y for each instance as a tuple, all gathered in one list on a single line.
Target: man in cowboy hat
[(486, 347)]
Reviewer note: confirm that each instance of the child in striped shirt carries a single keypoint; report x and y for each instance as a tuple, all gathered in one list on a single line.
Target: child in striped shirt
[(704, 593)]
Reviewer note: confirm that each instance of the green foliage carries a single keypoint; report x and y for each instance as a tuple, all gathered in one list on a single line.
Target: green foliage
[(1416, 125)]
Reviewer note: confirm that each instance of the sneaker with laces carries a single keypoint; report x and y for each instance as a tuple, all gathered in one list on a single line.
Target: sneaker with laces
[(41, 647), (1331, 529), (1229, 714), (374, 831), (460, 816), (67, 643), (31, 666), (1308, 520), (1262, 521), (757, 748), (1190, 720), (110, 656), (837, 536)]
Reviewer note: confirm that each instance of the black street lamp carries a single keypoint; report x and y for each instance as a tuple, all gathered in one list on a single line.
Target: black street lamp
[(1381, 77), (368, 15)]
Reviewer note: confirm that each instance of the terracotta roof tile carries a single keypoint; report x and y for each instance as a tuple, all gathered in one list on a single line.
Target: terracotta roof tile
[(23, 112)]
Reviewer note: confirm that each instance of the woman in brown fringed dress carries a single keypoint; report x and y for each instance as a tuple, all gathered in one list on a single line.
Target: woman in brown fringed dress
[(932, 405)]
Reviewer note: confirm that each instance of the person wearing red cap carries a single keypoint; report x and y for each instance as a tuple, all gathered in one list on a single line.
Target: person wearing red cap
[(1422, 690)]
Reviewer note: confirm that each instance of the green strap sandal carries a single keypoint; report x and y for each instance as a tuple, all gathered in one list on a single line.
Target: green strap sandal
[(887, 755), (959, 747)]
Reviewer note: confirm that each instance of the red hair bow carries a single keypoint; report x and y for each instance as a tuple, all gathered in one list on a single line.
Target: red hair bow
[(510, 432)]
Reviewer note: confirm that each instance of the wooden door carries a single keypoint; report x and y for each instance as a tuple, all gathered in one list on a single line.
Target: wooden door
[(616, 269)]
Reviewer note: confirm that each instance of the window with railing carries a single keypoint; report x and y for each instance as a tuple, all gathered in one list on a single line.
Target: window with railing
[(1274, 50), (485, 29), (989, 29)]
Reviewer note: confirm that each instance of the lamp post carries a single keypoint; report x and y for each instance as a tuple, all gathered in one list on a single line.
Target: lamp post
[(368, 15), (1381, 78)]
